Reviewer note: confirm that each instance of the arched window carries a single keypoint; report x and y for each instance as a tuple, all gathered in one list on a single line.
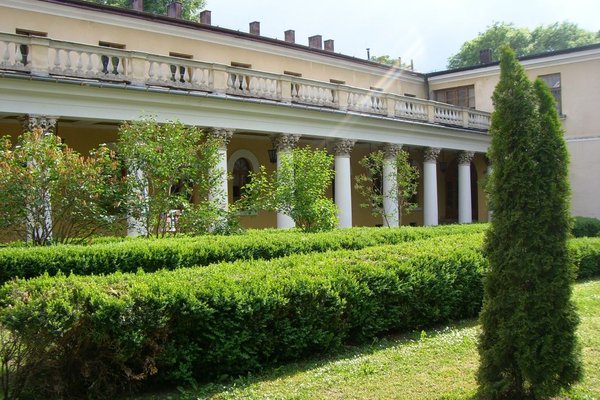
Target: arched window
[(241, 176)]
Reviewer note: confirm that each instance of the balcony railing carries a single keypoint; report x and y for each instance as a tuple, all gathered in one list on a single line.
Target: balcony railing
[(47, 57)]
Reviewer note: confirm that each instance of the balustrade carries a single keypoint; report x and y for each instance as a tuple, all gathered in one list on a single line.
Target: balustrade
[(44, 57), (446, 114), (318, 94), (15, 51), (165, 71), (253, 84), (367, 101)]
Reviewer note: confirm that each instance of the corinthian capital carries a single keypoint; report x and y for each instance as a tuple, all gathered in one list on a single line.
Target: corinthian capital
[(391, 150), (465, 157), (44, 123), (431, 154), (222, 135), (285, 141), (344, 147)]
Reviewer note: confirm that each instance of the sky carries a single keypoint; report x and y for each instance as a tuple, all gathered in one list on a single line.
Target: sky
[(426, 31)]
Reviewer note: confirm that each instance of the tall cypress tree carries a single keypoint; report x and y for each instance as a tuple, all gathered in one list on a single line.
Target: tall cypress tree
[(527, 347)]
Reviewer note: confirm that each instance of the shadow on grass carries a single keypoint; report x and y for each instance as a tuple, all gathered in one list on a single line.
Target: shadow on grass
[(210, 389)]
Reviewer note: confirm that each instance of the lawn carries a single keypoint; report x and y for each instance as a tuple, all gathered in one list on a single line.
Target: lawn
[(437, 364)]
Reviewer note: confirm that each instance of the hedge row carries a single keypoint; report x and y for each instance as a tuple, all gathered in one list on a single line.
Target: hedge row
[(586, 227), (227, 319), (92, 336), (173, 253)]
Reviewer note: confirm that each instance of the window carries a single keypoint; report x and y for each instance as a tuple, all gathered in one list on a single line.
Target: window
[(241, 176), (553, 81), (463, 96), (28, 32)]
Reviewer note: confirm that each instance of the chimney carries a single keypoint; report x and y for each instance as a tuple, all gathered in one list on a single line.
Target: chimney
[(315, 42), (485, 56), (205, 17), (174, 10), (137, 5), (329, 45), (255, 28), (290, 36)]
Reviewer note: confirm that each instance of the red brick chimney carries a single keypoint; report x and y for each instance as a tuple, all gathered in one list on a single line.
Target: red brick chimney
[(174, 10), (290, 36), (255, 28), (315, 42), (137, 5), (205, 17), (329, 45)]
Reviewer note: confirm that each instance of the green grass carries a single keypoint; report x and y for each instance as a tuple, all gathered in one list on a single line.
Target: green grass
[(438, 364)]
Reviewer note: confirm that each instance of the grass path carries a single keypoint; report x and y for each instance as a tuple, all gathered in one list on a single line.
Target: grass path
[(439, 364)]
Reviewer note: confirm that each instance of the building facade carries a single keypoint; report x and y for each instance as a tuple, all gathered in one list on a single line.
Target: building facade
[(80, 69)]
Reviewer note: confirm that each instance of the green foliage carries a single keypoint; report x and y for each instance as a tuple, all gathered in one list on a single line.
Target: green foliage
[(296, 189), (553, 37), (130, 255), (51, 194), (190, 8), (370, 184), (387, 60), (585, 226), (228, 319), (167, 165), (527, 346)]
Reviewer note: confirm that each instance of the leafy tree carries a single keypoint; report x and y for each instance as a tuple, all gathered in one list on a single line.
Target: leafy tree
[(296, 189), (51, 194), (370, 184), (388, 60), (190, 8), (556, 36), (168, 164), (527, 346)]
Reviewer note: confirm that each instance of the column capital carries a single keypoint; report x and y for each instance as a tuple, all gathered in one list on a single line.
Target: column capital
[(285, 141), (222, 135), (465, 157), (344, 147), (431, 154), (45, 123), (391, 150)]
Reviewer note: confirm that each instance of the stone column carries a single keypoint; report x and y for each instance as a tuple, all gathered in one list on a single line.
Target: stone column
[(284, 144), (465, 213), (220, 194), (391, 217), (430, 206), (343, 181), (39, 220)]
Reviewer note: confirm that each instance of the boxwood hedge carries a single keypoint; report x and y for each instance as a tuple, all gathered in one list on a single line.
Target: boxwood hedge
[(171, 253), (93, 336)]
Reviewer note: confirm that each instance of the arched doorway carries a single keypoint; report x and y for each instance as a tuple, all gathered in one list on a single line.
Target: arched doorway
[(241, 176)]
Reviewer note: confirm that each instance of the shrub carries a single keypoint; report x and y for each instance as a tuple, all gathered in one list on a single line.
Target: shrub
[(129, 255), (585, 226), (96, 335)]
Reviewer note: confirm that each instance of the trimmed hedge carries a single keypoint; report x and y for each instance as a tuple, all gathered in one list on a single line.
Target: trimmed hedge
[(172, 253), (93, 335), (586, 227)]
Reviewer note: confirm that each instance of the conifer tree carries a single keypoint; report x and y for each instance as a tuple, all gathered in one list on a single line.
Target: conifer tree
[(527, 347)]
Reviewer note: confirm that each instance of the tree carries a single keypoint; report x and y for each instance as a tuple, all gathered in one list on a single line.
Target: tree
[(527, 345), (190, 8), (168, 164), (296, 189), (553, 37), (51, 194), (388, 60), (370, 184)]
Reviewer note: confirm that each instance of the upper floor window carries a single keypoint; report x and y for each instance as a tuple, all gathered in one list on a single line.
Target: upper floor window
[(553, 81), (463, 96)]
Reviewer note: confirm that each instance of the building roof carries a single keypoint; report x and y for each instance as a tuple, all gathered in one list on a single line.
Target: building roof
[(522, 58), (224, 31)]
